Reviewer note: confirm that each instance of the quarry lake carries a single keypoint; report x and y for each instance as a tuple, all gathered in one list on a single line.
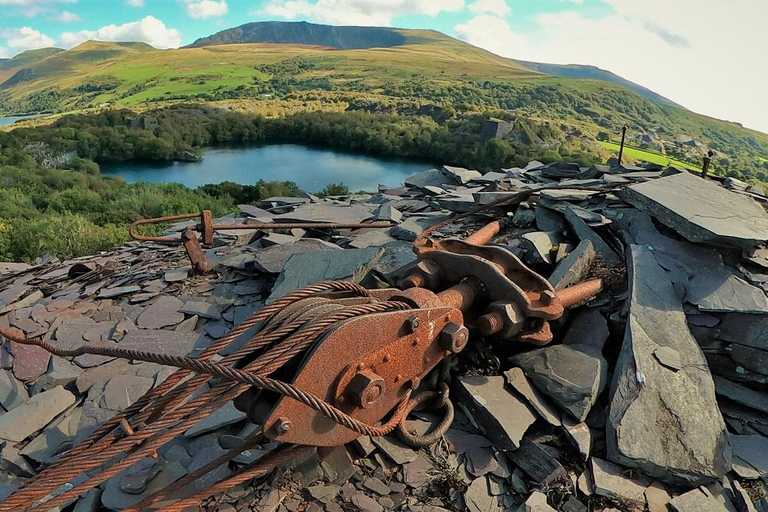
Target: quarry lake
[(310, 168)]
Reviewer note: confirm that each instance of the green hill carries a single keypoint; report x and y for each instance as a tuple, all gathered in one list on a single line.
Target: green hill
[(595, 73), (375, 70)]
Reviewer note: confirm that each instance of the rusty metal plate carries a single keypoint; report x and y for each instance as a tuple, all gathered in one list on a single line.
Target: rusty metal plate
[(356, 341)]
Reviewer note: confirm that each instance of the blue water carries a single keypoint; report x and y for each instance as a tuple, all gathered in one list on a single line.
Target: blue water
[(12, 119), (311, 168)]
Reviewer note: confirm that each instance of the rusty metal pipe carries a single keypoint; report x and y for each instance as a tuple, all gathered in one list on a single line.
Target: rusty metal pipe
[(460, 296), (578, 293), (485, 234)]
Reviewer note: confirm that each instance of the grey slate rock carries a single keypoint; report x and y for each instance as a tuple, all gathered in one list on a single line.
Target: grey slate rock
[(608, 480), (411, 228), (548, 220), (750, 456), (478, 499), (34, 414), (701, 210), (201, 309), (538, 246), (273, 259), (55, 439), (574, 267), (305, 269), (701, 499), (460, 175), (516, 379), (589, 327), (162, 341), (163, 312), (89, 502), (571, 375), (226, 415), (537, 463), (13, 393), (395, 450), (584, 232), (536, 502), (123, 390), (697, 272), (690, 444), (500, 415), (115, 498)]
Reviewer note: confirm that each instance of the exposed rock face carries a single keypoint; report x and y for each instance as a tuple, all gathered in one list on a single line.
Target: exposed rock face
[(689, 444), (571, 375), (701, 210)]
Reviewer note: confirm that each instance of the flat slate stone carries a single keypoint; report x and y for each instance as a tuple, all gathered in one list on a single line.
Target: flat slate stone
[(502, 416), (305, 269), (608, 480), (537, 463), (571, 375), (461, 175), (584, 232), (697, 272), (13, 393), (478, 499), (690, 444), (431, 177), (589, 327), (701, 210), (29, 361), (162, 313), (55, 439), (110, 293), (536, 502), (273, 259), (574, 267), (123, 390), (201, 309), (226, 415), (115, 498), (750, 456), (516, 379), (34, 414), (701, 499)]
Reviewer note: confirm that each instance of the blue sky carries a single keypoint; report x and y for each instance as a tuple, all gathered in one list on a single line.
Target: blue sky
[(704, 54)]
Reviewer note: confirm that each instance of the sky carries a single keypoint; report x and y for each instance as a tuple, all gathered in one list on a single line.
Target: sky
[(707, 55)]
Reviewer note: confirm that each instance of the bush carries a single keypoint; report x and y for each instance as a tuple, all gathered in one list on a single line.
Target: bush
[(334, 189)]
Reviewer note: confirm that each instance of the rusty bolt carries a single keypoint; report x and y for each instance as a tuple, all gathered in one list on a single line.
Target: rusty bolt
[(454, 337), (282, 426), (412, 324), (366, 388), (547, 297), (490, 323)]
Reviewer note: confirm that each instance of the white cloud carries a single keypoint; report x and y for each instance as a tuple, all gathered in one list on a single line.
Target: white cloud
[(24, 38), (67, 17), (491, 33), (5, 53), (202, 9), (148, 30), (356, 12), (206, 8), (705, 59), (496, 7), (135, 3)]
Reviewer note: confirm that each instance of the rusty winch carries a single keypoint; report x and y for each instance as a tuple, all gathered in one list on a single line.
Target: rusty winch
[(319, 367)]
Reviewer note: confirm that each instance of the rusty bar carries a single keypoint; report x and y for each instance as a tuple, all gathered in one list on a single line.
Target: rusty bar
[(200, 265), (460, 296), (490, 323), (623, 138), (485, 234), (303, 225), (578, 293), (143, 222)]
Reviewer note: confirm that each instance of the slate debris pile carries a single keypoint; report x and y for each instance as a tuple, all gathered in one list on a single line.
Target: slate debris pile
[(651, 397)]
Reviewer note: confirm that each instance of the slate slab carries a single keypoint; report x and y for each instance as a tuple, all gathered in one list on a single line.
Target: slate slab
[(500, 415), (701, 210), (700, 499), (516, 379), (161, 313), (574, 267), (272, 259), (608, 480), (162, 341), (226, 415), (29, 361), (536, 502), (305, 269), (537, 463), (13, 393), (690, 444), (750, 456), (34, 414), (571, 375), (478, 499), (584, 232)]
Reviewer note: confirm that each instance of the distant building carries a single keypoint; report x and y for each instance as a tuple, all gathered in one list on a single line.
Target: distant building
[(142, 123), (496, 129)]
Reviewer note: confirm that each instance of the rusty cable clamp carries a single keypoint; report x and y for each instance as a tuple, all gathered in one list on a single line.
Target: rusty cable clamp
[(204, 230), (320, 366)]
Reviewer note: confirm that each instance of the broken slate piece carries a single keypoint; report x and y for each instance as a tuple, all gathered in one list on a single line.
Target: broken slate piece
[(537, 463), (13, 393), (701, 499), (538, 246), (579, 435), (750, 456), (29, 361), (34, 414), (501, 416), (163, 312), (517, 380), (306, 269), (395, 450), (584, 232), (162, 341), (588, 327), (668, 357), (575, 267), (478, 499), (111, 293), (608, 480), (536, 502), (123, 390), (571, 375), (689, 445), (226, 415), (115, 498), (701, 210), (201, 309)]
